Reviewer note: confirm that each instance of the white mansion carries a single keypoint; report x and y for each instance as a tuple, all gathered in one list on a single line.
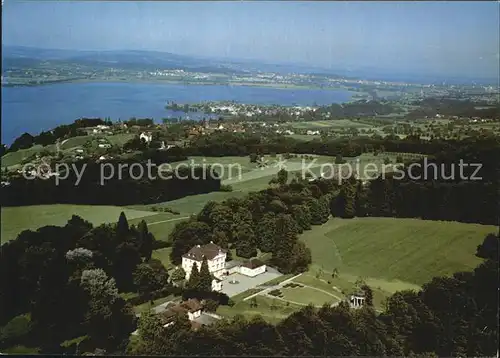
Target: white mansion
[(217, 265), (216, 259)]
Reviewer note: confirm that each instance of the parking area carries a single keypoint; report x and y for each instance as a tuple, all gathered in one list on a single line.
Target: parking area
[(245, 283)]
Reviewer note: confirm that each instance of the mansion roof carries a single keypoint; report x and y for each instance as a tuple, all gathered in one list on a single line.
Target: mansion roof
[(209, 251)]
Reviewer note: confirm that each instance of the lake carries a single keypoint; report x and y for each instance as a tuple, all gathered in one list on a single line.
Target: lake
[(35, 109)]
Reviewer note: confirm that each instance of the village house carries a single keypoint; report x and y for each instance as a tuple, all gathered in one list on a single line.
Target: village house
[(309, 132), (216, 259), (192, 308), (195, 131), (147, 137)]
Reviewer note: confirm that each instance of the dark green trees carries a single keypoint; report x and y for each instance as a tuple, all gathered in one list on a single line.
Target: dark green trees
[(205, 282)]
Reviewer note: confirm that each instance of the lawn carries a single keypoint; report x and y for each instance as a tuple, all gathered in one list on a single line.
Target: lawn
[(164, 256), (394, 253), (271, 310), (342, 285), (17, 219), (307, 295)]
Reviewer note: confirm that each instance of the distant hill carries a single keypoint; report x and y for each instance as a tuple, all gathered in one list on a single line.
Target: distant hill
[(18, 56)]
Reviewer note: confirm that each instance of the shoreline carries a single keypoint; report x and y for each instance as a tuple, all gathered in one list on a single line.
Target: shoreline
[(190, 83)]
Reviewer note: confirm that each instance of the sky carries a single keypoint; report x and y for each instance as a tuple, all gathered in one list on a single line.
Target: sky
[(449, 38)]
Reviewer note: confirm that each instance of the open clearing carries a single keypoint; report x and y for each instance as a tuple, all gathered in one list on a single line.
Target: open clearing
[(394, 253), (17, 219)]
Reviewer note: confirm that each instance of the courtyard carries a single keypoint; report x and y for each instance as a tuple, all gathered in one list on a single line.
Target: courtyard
[(244, 283)]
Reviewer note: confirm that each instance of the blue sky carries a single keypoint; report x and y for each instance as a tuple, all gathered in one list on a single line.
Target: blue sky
[(449, 38)]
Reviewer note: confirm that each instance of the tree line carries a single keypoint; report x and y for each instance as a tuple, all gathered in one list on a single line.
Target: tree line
[(429, 107), (69, 278), (124, 187), (242, 144)]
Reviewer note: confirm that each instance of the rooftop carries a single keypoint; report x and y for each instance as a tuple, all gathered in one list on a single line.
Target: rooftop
[(209, 251), (359, 293), (232, 263), (253, 263), (191, 305)]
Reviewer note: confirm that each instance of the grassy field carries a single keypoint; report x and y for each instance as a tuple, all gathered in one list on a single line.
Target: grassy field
[(66, 146), (75, 142), (340, 123), (307, 295), (164, 256), (119, 139), (21, 350), (394, 253), (17, 219), (17, 157)]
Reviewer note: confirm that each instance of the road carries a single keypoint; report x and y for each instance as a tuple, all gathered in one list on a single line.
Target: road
[(169, 220)]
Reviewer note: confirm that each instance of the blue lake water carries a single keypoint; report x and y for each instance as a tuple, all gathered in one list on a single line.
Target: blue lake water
[(34, 109)]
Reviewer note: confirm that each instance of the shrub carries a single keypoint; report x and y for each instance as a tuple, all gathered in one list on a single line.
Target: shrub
[(226, 188), (211, 305), (160, 244), (275, 293)]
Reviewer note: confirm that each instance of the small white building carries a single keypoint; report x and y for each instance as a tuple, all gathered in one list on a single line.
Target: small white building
[(309, 132), (147, 137), (216, 284), (356, 300), (253, 268), (166, 146), (192, 308)]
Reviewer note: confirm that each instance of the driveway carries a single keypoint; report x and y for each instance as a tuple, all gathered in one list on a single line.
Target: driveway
[(206, 319), (246, 283)]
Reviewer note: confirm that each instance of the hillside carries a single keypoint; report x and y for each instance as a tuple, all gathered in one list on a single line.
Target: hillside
[(395, 253)]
